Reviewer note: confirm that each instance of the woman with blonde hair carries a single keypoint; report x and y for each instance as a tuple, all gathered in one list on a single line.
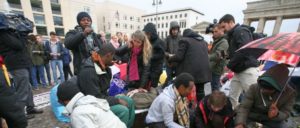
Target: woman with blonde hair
[(139, 50)]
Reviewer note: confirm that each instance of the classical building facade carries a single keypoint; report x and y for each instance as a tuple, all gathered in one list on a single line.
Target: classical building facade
[(53, 15), (186, 18), (277, 10), (114, 17)]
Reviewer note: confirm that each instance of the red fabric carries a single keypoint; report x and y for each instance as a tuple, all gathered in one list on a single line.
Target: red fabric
[(133, 68), (123, 70), (192, 97), (203, 112), (1, 60)]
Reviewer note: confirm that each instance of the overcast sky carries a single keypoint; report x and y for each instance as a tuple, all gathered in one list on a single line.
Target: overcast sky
[(211, 8)]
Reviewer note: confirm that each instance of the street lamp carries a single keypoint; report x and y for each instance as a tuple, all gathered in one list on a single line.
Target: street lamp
[(156, 3)]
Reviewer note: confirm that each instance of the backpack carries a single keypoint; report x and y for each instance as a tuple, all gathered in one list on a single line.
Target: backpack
[(255, 35)]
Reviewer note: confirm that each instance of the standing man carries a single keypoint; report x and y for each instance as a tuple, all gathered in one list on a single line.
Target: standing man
[(243, 65), (171, 48), (82, 40), (158, 52), (217, 60), (14, 51), (56, 51), (192, 57)]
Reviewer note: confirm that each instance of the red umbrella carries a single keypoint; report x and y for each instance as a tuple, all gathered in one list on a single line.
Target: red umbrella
[(283, 48)]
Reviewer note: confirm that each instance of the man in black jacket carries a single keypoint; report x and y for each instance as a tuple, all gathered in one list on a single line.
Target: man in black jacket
[(82, 40), (158, 52), (242, 64), (192, 57), (171, 47), (94, 79), (16, 58)]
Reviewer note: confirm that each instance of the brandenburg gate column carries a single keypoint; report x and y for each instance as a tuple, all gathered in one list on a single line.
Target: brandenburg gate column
[(247, 22), (261, 25), (277, 25)]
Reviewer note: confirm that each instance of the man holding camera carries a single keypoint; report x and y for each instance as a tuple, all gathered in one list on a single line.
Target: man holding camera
[(82, 40), (217, 56)]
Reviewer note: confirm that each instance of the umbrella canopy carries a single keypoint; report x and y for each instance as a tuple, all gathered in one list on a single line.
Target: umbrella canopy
[(285, 42)]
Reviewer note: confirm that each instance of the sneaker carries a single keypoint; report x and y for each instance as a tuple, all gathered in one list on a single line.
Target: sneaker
[(34, 111), (29, 116)]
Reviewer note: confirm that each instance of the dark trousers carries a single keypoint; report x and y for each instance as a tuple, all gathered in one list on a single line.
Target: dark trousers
[(23, 88), (12, 112), (47, 67), (199, 91), (157, 125), (67, 71), (215, 83)]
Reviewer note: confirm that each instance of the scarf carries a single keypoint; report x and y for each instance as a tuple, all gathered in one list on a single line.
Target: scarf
[(181, 109), (115, 44), (133, 67)]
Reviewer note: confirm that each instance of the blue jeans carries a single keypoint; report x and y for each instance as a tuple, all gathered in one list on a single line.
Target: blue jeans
[(40, 69), (215, 82), (47, 67), (59, 64)]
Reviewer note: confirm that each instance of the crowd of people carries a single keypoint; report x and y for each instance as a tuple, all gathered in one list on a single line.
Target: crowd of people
[(186, 58)]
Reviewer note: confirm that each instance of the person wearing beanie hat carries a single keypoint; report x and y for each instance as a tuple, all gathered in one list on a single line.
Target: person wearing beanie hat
[(82, 40), (158, 52), (259, 104), (86, 111)]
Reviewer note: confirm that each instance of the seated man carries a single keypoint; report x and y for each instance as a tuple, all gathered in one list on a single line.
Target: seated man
[(215, 111), (86, 111), (94, 79), (259, 104), (172, 101)]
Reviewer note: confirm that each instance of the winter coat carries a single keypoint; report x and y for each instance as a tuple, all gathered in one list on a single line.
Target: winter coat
[(142, 68), (60, 49), (66, 57), (37, 58), (76, 41), (237, 37), (158, 53), (192, 57), (201, 115), (171, 42), (162, 109), (94, 81), (91, 112), (13, 48), (255, 105), (216, 63)]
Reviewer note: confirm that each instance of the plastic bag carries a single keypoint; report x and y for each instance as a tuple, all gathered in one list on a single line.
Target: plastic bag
[(117, 85), (56, 107)]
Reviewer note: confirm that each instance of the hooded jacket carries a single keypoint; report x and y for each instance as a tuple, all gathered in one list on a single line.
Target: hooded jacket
[(255, 105), (192, 57), (95, 81), (163, 108), (76, 41), (13, 48), (158, 53), (172, 41), (217, 63), (91, 112)]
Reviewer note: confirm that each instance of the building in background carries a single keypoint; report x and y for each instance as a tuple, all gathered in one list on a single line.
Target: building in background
[(186, 18), (115, 17), (53, 15)]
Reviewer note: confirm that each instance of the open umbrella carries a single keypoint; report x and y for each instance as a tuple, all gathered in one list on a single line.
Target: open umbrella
[(282, 48)]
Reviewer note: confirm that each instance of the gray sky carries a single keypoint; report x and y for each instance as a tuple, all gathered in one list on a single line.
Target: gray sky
[(212, 9)]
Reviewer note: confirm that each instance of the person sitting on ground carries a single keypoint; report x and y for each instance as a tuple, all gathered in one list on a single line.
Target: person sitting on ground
[(172, 102), (95, 77), (86, 111), (259, 104), (214, 111)]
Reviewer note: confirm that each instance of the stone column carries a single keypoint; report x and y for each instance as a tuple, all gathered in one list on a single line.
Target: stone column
[(277, 25), (261, 25), (247, 22)]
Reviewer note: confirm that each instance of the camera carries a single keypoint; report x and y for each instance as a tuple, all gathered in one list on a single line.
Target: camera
[(210, 27)]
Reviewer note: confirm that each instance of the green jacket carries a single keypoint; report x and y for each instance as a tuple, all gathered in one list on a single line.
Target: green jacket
[(254, 108), (216, 63), (36, 52)]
